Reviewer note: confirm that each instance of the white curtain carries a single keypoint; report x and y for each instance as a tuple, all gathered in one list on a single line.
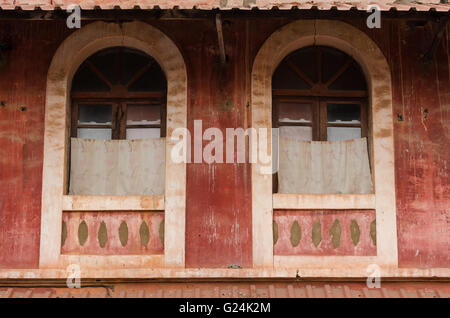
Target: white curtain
[(324, 167), (117, 167)]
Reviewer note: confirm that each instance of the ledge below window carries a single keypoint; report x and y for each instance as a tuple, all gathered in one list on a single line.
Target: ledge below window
[(113, 203), (323, 201)]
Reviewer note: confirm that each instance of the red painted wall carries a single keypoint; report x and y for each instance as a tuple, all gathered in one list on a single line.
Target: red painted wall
[(422, 145), (22, 84), (219, 196)]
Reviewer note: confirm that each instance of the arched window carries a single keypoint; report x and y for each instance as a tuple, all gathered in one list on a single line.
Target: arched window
[(58, 203), (320, 94), (118, 125), (119, 93), (271, 210)]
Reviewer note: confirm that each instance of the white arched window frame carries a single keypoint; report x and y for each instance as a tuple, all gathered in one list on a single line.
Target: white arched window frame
[(358, 45), (71, 53)]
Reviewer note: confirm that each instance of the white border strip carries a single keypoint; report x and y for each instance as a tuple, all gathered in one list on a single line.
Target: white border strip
[(324, 201), (113, 203)]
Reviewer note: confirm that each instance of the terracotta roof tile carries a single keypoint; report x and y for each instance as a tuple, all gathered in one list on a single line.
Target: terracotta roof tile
[(243, 289), (401, 5)]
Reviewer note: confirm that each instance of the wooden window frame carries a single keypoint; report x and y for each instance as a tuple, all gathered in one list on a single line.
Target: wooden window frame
[(119, 96), (119, 115), (319, 95), (319, 121)]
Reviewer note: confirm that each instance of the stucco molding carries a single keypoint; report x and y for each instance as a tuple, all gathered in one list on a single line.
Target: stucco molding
[(363, 49), (434, 274), (68, 57)]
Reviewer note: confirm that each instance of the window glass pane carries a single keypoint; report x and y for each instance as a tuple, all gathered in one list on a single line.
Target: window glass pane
[(352, 79), (94, 133), (107, 63), (285, 78), (306, 60), (87, 81), (143, 114), (309, 60), (333, 60), (119, 66), (344, 113), (298, 132), (143, 133), (294, 112), (343, 133), (94, 114), (153, 80), (133, 62)]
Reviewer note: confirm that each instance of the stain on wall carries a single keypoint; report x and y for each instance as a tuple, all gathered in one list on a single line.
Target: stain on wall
[(422, 145)]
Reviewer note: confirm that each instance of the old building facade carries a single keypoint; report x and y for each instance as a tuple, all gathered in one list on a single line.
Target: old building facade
[(151, 72)]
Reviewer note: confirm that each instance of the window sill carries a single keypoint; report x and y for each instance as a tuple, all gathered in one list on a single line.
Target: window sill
[(113, 203), (323, 201)]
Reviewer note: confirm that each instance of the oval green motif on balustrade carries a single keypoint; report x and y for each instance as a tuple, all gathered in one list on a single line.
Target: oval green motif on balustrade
[(316, 233), (373, 232), (335, 233), (161, 232), (355, 232), (296, 234), (123, 233), (82, 233), (102, 235), (144, 234), (63, 233), (275, 232)]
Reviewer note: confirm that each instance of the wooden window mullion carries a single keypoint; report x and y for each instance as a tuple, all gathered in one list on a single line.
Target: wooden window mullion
[(323, 121), (114, 130), (163, 112), (275, 119), (122, 118), (315, 119), (74, 120)]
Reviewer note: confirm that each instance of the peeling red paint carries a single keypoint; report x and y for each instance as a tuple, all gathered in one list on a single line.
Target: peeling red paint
[(22, 88), (422, 145), (218, 216)]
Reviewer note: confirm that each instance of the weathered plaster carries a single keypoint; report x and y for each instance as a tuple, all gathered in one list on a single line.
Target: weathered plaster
[(352, 41), (147, 267), (72, 52), (323, 201), (113, 203)]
